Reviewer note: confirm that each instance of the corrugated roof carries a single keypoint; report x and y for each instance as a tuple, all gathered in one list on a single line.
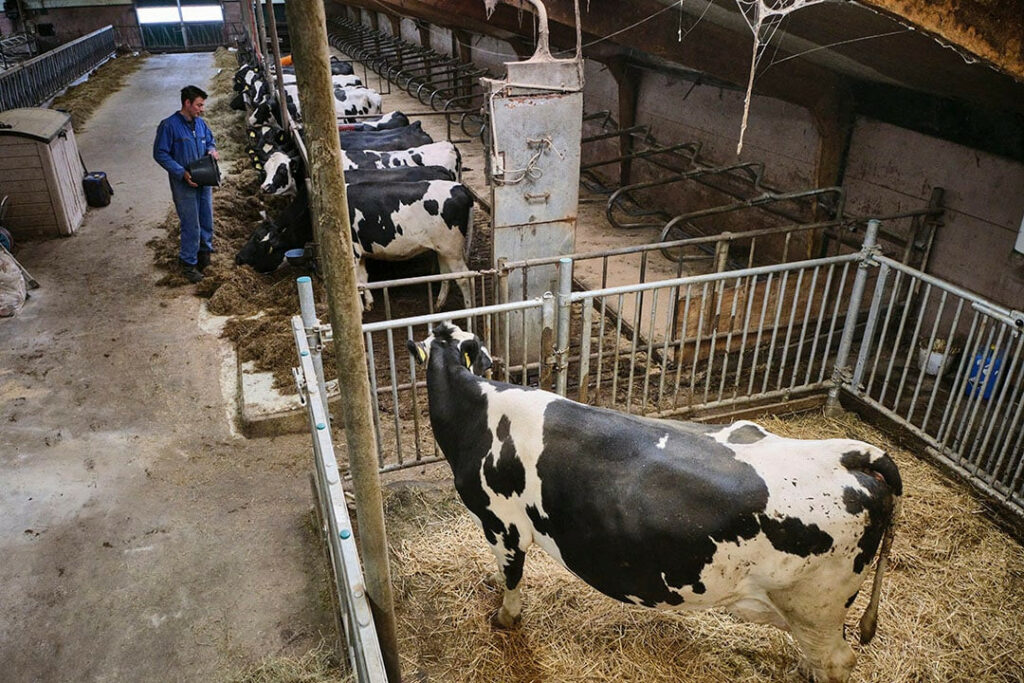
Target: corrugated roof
[(36, 123)]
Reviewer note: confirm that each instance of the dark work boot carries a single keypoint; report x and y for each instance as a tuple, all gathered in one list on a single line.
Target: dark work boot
[(191, 273), (202, 261)]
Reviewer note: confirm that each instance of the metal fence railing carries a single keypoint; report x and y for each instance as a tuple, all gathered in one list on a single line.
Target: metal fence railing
[(937, 360), (33, 82), (352, 606), (947, 365)]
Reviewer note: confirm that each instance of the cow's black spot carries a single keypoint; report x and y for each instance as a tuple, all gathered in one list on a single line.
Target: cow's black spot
[(746, 434), (629, 518), (513, 566), (880, 481), (849, 601), (417, 158), (430, 206), (504, 429), (540, 523), (791, 535), (506, 476)]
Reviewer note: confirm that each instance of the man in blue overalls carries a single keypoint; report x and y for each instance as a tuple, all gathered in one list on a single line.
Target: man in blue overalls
[(182, 138)]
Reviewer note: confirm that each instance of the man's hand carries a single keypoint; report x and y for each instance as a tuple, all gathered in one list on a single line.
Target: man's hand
[(188, 179), (213, 153)]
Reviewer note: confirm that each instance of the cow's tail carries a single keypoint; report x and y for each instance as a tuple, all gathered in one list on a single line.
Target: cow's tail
[(886, 469)]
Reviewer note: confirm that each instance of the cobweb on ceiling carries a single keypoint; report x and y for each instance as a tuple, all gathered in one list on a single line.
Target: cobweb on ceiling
[(764, 18)]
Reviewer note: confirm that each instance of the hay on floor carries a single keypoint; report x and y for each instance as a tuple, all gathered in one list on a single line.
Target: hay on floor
[(950, 609)]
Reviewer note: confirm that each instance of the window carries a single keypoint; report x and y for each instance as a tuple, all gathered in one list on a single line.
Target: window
[(157, 15), (201, 13), (189, 14)]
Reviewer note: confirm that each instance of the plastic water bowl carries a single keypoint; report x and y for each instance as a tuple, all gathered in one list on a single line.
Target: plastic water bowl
[(297, 257)]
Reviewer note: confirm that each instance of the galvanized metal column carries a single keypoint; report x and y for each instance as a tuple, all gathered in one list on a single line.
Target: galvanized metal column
[(841, 370), (564, 317), (329, 205), (534, 157)]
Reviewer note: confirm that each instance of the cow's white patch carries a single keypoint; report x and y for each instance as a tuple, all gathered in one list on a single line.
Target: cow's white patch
[(662, 442), (525, 413)]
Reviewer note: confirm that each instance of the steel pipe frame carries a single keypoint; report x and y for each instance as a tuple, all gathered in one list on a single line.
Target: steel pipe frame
[(679, 177)]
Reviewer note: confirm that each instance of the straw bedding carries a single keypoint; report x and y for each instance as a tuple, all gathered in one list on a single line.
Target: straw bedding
[(950, 610)]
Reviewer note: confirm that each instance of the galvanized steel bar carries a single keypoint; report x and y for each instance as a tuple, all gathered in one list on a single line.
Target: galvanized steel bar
[(564, 312), (356, 617), (841, 370)]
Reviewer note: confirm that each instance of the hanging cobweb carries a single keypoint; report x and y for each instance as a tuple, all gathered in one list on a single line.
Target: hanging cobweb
[(764, 18)]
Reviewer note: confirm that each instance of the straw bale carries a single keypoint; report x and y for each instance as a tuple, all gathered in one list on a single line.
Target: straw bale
[(950, 608)]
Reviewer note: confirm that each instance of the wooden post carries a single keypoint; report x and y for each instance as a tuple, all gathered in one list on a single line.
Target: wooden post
[(835, 117), (262, 29), (329, 205), (627, 79), (275, 44), (247, 19)]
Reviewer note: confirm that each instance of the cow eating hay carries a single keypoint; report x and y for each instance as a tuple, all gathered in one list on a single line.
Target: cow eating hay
[(666, 514)]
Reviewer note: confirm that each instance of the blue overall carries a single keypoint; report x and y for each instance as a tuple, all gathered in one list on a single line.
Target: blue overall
[(179, 142)]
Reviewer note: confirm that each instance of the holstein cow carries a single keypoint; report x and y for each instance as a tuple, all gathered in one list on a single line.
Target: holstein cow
[(441, 153), (344, 81), (389, 140), (338, 68), (392, 220), (666, 514), (281, 171), (291, 229), (389, 121)]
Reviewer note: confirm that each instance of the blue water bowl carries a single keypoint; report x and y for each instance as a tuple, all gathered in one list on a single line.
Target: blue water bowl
[(297, 257)]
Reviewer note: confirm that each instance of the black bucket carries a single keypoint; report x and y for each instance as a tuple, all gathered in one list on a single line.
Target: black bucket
[(204, 171), (97, 189)]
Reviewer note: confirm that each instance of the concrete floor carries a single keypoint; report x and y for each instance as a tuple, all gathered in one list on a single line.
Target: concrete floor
[(141, 538)]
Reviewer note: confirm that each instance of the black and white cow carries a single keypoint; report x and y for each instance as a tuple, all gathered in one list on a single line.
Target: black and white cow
[(399, 221), (291, 229), (441, 153), (391, 221), (392, 139), (281, 171), (388, 121), (343, 81), (667, 514), (350, 101), (338, 68)]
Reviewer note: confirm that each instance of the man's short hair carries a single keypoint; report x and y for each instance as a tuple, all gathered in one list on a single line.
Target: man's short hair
[(191, 92)]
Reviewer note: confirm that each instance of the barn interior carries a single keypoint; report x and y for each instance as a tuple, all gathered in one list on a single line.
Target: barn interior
[(890, 109)]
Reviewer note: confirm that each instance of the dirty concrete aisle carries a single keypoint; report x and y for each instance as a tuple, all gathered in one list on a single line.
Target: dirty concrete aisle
[(141, 538)]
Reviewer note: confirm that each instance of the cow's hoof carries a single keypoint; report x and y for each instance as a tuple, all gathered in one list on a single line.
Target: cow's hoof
[(503, 620)]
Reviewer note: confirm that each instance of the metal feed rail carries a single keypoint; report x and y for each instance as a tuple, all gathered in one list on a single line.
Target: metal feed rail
[(352, 605), (31, 83)]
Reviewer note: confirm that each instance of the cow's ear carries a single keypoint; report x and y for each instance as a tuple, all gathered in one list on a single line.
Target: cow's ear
[(417, 350), (470, 351)]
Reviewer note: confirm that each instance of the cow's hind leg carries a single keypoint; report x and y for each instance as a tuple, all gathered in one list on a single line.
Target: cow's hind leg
[(818, 629), (510, 571)]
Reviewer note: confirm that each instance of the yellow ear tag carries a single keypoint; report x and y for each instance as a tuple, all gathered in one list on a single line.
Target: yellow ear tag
[(422, 354), (465, 357)]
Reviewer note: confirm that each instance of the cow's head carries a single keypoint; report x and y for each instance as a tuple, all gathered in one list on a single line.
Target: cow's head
[(263, 251), (279, 173), (458, 346)]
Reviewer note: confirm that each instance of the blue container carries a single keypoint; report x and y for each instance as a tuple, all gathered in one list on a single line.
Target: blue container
[(984, 374)]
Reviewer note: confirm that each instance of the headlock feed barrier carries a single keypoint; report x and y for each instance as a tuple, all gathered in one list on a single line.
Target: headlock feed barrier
[(31, 83), (934, 359)]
